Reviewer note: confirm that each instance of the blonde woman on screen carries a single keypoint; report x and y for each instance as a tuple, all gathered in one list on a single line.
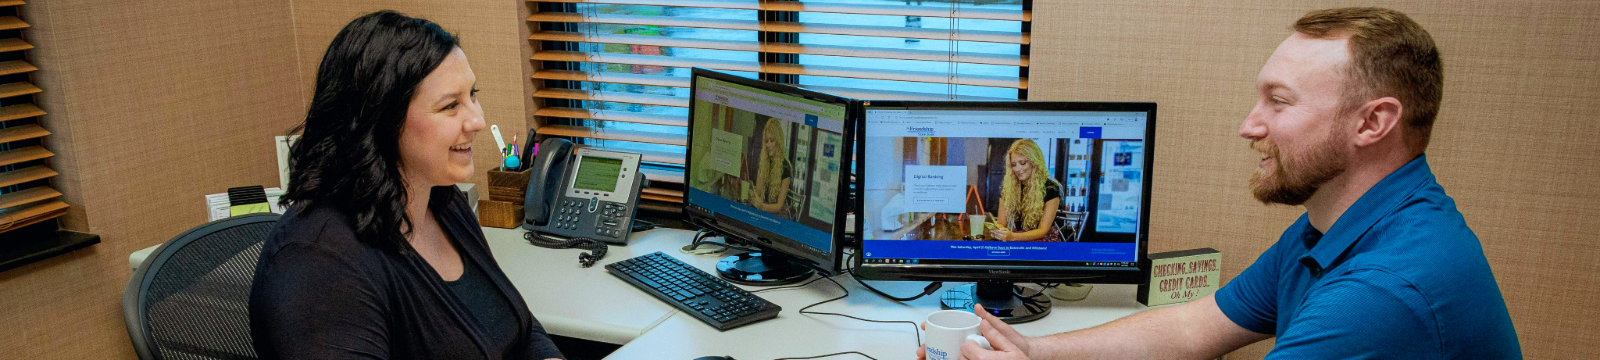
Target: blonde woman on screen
[(772, 172), (1028, 197)]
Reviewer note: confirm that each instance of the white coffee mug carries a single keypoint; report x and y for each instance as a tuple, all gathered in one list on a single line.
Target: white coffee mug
[(947, 330)]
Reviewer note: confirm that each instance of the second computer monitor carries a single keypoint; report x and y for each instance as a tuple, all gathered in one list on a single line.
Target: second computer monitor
[(1005, 191), (765, 164)]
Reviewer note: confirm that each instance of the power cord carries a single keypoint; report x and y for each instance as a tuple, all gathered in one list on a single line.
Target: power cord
[(596, 249), (700, 239), (929, 290), (833, 354), (806, 310)]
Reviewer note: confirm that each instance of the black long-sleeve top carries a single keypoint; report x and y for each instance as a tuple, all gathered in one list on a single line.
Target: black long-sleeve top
[(319, 293)]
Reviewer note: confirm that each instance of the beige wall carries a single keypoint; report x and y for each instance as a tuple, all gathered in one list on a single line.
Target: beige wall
[(492, 34), (153, 104), (156, 103), (1516, 144)]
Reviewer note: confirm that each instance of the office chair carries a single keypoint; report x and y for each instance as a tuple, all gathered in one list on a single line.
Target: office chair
[(1070, 223), (190, 299)]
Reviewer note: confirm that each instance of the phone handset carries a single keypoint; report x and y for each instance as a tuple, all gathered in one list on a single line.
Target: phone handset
[(544, 185)]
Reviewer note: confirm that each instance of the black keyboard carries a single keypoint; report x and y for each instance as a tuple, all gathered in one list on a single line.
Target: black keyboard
[(708, 298)]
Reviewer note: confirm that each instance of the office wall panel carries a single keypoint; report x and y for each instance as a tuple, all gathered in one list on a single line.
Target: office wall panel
[(156, 103), (490, 33), (1516, 143)]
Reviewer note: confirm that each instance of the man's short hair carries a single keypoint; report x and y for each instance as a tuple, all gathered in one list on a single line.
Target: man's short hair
[(1390, 55)]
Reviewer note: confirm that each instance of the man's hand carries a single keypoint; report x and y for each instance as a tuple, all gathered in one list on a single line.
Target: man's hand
[(1008, 344)]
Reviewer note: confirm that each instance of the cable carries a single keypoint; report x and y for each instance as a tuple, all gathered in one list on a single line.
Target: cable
[(916, 328), (641, 225), (929, 290), (826, 356), (815, 279), (701, 235), (596, 249), (806, 310)]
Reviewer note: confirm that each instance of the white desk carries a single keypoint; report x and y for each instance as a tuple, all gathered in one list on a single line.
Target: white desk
[(584, 303), (594, 305)]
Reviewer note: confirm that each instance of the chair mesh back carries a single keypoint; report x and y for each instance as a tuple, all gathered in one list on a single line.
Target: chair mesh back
[(197, 305)]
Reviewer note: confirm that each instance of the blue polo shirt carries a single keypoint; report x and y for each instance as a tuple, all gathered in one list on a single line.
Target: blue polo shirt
[(1398, 276)]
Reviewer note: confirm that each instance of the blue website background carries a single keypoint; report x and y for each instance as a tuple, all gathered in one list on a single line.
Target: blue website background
[(995, 250), (818, 239)]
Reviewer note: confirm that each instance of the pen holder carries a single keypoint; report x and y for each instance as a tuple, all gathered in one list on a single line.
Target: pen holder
[(503, 208)]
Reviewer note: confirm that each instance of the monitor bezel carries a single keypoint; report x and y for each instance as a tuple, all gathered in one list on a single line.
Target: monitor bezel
[(976, 271), (830, 264)]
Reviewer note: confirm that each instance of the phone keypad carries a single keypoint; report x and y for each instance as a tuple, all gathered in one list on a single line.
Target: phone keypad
[(613, 220), (566, 216)]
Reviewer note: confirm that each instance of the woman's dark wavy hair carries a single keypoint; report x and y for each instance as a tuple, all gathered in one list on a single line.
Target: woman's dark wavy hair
[(349, 154)]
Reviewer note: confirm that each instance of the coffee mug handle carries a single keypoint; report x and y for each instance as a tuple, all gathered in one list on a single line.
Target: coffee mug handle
[(978, 338)]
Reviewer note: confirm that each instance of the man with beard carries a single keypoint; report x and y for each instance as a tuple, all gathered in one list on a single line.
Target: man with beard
[(1381, 265)]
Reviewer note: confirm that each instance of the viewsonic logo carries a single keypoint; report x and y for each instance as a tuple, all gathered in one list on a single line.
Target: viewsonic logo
[(999, 271)]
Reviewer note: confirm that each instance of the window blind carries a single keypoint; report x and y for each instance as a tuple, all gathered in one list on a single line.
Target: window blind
[(26, 197), (615, 73)]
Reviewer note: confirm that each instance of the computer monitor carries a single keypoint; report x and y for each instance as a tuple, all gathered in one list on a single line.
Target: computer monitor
[(1003, 192), (765, 164)]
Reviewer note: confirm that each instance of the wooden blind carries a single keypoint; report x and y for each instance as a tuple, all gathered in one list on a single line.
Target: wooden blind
[(26, 197), (615, 73)]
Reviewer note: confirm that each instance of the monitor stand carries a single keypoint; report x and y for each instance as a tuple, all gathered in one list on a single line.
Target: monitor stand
[(1003, 299), (762, 269)]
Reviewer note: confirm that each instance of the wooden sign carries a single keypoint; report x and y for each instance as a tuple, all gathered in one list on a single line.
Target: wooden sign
[(1181, 276)]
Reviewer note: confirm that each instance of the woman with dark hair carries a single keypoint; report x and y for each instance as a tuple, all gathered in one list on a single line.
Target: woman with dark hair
[(379, 255)]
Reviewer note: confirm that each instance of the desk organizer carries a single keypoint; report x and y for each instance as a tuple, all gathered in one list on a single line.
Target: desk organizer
[(503, 208)]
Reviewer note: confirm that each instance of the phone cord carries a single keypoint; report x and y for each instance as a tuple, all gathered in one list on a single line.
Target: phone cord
[(596, 249)]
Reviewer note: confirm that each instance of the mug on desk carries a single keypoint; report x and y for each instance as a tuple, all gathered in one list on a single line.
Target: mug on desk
[(948, 329)]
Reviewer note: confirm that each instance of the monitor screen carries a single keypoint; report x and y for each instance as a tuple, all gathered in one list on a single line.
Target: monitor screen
[(983, 188), (765, 164)]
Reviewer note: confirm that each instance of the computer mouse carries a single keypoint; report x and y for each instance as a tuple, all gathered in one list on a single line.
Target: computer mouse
[(715, 358)]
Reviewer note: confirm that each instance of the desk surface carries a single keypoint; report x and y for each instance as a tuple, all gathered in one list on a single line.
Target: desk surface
[(592, 304)]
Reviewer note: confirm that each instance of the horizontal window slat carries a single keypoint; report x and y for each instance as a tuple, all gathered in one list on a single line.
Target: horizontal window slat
[(612, 77), (14, 44), (607, 115), (659, 100), (31, 173), (661, 206), (16, 67), (30, 153), (19, 133), (790, 27), (676, 176), (662, 175), (789, 69), (661, 198), (869, 94), (663, 192), (19, 111), (18, 89), (28, 196), (32, 214), (784, 48), (837, 8), (12, 23), (651, 156), (611, 134)]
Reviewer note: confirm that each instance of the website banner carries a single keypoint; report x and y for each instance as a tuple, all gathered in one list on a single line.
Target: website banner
[(1002, 124), (990, 250), (816, 239), (810, 113)]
